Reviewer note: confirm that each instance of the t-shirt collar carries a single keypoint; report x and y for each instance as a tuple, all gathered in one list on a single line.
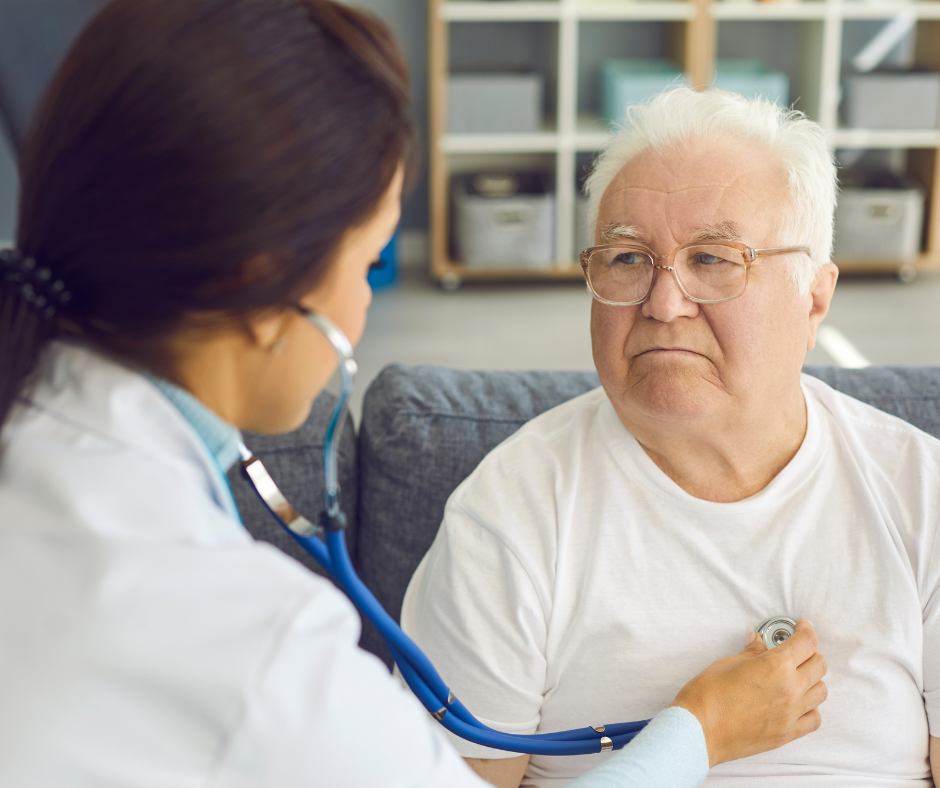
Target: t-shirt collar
[(631, 457)]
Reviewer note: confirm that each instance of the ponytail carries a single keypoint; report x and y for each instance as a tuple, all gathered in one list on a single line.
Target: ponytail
[(182, 141), (30, 299)]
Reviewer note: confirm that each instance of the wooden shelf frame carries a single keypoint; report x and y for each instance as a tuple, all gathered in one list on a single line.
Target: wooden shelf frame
[(695, 23)]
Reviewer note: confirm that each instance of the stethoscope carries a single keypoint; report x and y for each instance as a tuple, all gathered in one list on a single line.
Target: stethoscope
[(326, 542)]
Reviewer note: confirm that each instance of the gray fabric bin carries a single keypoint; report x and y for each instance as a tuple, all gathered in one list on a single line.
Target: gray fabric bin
[(513, 231), (494, 103), (891, 100), (878, 225)]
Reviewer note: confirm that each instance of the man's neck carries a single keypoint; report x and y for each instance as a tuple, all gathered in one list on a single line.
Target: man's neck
[(725, 460)]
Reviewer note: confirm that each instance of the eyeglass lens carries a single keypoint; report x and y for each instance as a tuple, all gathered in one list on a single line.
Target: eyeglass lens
[(709, 272)]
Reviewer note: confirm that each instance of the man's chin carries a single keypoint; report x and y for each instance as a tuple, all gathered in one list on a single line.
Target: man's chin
[(672, 396)]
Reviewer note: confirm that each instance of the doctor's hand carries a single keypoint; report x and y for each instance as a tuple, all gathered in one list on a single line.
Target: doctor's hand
[(759, 700)]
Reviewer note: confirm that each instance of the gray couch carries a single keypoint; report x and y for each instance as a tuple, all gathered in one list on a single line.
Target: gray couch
[(425, 429)]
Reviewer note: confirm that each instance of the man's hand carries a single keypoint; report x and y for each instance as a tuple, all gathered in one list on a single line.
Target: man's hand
[(759, 700)]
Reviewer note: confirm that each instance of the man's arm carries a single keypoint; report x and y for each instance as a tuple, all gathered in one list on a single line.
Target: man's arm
[(508, 772), (934, 759)]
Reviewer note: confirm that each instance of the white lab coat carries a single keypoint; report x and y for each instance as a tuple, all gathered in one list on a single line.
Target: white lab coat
[(147, 640)]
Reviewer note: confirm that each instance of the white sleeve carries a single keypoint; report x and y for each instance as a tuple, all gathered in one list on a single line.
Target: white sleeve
[(476, 612), (932, 637), (324, 712), (670, 752)]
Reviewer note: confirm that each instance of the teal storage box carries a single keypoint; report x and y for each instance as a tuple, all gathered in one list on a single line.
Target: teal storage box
[(625, 82), (752, 78)]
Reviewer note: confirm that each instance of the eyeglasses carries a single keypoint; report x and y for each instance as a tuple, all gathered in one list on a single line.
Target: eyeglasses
[(622, 275)]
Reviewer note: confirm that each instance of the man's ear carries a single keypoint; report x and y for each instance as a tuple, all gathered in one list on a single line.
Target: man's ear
[(824, 286)]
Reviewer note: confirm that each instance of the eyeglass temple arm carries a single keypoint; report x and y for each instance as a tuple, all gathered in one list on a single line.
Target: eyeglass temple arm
[(781, 250)]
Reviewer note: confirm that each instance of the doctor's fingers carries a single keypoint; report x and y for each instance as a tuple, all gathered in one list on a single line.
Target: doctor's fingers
[(800, 646), (812, 670), (813, 698), (808, 723)]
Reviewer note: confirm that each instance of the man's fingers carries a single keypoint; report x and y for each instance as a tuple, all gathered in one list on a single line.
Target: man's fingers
[(813, 669), (802, 644), (815, 696)]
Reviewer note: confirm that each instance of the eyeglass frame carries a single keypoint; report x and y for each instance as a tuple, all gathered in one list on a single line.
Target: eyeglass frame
[(750, 255)]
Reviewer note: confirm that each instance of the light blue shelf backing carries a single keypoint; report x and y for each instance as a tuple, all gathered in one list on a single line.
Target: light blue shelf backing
[(752, 78), (633, 81)]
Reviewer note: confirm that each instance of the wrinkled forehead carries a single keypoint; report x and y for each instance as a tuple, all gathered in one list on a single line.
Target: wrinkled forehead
[(739, 184)]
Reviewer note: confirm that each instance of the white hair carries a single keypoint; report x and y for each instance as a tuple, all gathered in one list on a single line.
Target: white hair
[(681, 115)]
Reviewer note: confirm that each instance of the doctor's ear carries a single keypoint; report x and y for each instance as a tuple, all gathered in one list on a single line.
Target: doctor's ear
[(265, 327), (820, 295), (267, 330)]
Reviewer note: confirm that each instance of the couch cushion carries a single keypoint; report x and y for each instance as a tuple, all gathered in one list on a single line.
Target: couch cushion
[(911, 393), (295, 462), (424, 429)]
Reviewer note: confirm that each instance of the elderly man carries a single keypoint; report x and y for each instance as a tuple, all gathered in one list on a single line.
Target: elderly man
[(621, 542)]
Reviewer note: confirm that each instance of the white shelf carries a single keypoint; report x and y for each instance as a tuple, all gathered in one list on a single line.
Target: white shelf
[(870, 138), (809, 10), (592, 132), (475, 11), (589, 10), (542, 142), (680, 10), (855, 9), (655, 10), (822, 9)]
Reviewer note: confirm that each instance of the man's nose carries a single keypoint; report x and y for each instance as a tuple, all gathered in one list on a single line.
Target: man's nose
[(666, 301)]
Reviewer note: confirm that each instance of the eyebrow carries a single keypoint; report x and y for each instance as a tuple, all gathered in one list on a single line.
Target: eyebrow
[(723, 231), (621, 232)]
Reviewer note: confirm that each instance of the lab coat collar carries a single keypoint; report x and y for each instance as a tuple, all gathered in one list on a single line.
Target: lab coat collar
[(79, 385), (220, 437)]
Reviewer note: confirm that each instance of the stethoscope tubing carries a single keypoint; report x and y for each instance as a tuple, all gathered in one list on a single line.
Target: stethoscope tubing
[(427, 684), (417, 670)]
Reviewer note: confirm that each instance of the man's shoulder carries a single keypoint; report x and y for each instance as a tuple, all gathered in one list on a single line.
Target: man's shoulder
[(550, 444), (881, 438), (556, 430)]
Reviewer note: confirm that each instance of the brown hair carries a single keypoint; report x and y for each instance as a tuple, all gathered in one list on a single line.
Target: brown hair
[(184, 140)]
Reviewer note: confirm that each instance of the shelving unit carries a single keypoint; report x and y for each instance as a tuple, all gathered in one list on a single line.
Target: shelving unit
[(694, 33)]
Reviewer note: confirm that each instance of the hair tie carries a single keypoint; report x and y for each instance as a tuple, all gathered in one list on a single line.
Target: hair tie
[(35, 284)]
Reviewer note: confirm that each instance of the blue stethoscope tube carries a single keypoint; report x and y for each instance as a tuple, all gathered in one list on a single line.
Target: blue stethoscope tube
[(415, 667)]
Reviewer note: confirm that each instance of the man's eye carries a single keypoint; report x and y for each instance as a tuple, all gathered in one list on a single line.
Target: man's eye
[(628, 258), (703, 258)]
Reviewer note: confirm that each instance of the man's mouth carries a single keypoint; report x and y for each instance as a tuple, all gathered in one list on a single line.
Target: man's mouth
[(668, 350)]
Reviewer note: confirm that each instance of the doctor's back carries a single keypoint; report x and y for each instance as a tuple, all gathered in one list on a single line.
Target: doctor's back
[(145, 637)]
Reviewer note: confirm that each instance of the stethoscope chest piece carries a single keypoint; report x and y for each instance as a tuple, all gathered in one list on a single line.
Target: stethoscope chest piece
[(776, 630)]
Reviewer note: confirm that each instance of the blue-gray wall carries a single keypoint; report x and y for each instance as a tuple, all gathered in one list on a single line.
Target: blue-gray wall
[(36, 56), (409, 20), (7, 191)]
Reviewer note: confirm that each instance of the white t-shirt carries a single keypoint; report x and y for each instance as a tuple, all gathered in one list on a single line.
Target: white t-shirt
[(573, 583)]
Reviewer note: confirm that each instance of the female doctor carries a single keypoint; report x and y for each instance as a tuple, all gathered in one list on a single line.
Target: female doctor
[(197, 171)]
